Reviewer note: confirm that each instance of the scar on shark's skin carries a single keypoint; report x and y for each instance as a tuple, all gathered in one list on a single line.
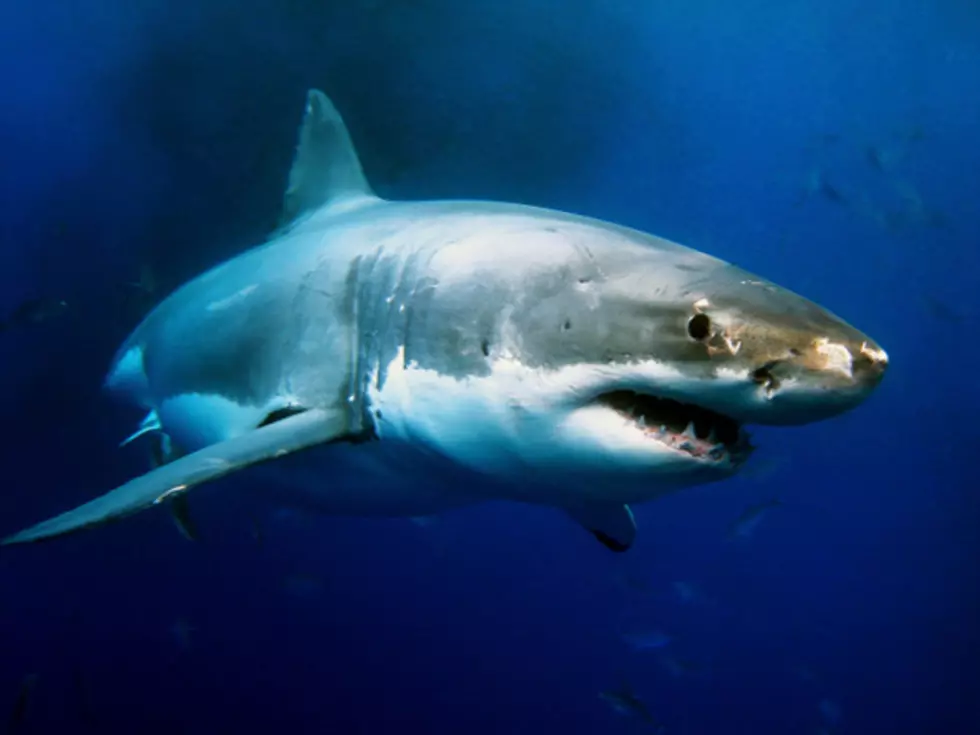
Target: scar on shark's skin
[(415, 357)]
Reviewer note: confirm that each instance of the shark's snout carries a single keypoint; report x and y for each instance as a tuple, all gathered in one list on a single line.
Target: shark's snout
[(815, 378), (870, 363)]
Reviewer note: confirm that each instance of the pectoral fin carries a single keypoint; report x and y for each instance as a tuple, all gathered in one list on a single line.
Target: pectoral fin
[(613, 525), (292, 434)]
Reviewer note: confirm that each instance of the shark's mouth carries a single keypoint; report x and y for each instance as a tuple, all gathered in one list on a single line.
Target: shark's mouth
[(683, 427)]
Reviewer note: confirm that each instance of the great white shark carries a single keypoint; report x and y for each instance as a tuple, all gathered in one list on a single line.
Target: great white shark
[(412, 357)]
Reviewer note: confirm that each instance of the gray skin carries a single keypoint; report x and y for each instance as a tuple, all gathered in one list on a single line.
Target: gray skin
[(291, 346)]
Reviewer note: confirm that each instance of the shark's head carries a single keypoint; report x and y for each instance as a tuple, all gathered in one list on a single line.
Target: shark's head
[(618, 363)]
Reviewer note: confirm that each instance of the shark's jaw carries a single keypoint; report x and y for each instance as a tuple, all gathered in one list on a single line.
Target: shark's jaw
[(689, 430), (606, 432)]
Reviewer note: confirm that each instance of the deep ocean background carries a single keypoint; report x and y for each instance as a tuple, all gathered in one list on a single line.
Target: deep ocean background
[(830, 146)]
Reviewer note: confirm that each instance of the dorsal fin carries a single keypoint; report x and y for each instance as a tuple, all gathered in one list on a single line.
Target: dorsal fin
[(326, 171)]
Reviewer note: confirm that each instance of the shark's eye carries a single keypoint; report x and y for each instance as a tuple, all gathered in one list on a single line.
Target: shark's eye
[(699, 327)]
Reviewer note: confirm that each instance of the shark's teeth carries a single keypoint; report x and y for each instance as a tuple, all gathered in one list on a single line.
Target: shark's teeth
[(705, 436)]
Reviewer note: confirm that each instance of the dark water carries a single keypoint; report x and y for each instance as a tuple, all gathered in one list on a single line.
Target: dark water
[(830, 146)]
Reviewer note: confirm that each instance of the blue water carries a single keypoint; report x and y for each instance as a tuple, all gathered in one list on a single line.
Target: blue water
[(831, 146)]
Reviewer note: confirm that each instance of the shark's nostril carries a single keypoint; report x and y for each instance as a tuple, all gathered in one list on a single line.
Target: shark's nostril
[(764, 377), (874, 355), (870, 362)]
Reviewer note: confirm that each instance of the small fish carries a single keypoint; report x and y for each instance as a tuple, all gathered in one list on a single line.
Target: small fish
[(881, 160), (816, 143), (804, 672), (138, 297), (303, 585), (763, 469), (257, 532), (831, 192), (680, 667), (830, 710), (18, 714), (940, 310), (915, 211), (646, 639), (34, 311), (937, 219), (875, 158), (633, 583), (181, 631), (290, 515), (746, 524), (147, 282), (686, 592), (86, 711), (818, 184), (625, 702), (914, 207)]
